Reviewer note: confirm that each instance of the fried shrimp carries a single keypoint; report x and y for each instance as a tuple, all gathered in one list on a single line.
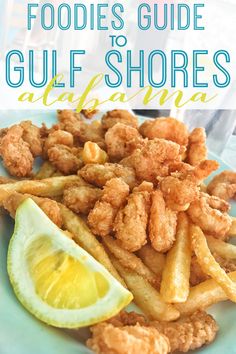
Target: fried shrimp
[(187, 333), (209, 219), (56, 137), (49, 206), (101, 217), (111, 118), (108, 339), (165, 128), (223, 185), (16, 153), (178, 194), (121, 140), (162, 224), (131, 221), (81, 199), (99, 175), (153, 159), (72, 122), (65, 159), (31, 135), (197, 150), (195, 174)]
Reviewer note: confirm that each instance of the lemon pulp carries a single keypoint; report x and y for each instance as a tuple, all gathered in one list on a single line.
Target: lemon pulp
[(55, 279), (61, 280)]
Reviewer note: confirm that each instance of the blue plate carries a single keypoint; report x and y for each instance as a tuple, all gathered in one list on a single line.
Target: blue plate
[(21, 333)]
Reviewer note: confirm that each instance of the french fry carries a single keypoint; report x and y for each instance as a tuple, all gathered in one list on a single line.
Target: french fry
[(92, 153), (204, 295), (83, 236), (49, 187), (145, 296), (176, 274), (223, 249), (46, 170), (209, 264), (129, 260), (154, 260), (232, 231)]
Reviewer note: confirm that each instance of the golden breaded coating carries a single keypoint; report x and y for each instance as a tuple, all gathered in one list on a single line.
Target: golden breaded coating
[(67, 115), (81, 199), (123, 116), (189, 333), (131, 221), (101, 217), (178, 194), (152, 160), (73, 123), (162, 224), (99, 175), (15, 152), (32, 136), (107, 339), (216, 203), (223, 185), (197, 149), (209, 219), (88, 114), (49, 206), (195, 174), (165, 128), (121, 140), (56, 137), (64, 159)]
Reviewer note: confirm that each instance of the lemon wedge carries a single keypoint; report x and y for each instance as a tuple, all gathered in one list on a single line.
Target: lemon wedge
[(55, 279)]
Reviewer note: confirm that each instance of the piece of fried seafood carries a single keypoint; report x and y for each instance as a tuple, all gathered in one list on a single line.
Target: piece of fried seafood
[(121, 140), (197, 275), (115, 116), (66, 160), (187, 333), (88, 113), (50, 207), (81, 199), (178, 193), (108, 339), (165, 128), (99, 175), (73, 123), (101, 217), (223, 185), (162, 223), (131, 222), (15, 152), (153, 159), (31, 135), (210, 214), (197, 149), (56, 137), (195, 174)]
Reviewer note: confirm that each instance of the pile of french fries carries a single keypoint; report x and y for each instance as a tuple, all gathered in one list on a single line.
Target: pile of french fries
[(159, 283)]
